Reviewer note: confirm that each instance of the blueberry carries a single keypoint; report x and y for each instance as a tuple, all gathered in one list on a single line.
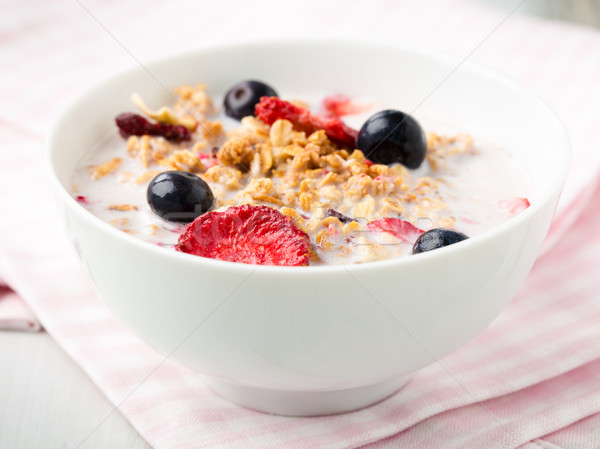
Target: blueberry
[(241, 98), (436, 238), (179, 196), (393, 136)]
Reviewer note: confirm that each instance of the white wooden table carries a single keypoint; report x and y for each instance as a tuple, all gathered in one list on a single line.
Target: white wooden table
[(47, 401)]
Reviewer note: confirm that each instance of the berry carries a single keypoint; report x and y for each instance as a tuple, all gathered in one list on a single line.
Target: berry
[(247, 234), (514, 205), (334, 213), (339, 105), (400, 229), (241, 98), (82, 200), (179, 196), (436, 238), (393, 136), (131, 124), (271, 109)]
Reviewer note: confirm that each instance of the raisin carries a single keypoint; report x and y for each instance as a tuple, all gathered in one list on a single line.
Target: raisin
[(334, 213)]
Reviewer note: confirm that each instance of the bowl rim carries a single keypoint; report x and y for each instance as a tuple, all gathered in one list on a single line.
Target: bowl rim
[(458, 63)]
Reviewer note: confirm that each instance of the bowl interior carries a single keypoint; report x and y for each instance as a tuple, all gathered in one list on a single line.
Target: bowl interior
[(466, 95)]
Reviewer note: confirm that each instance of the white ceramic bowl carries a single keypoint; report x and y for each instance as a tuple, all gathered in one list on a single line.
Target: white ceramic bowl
[(327, 339)]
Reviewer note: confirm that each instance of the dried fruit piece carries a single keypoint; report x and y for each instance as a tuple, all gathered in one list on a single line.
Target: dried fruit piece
[(131, 124), (401, 229), (514, 205), (339, 105), (82, 200), (246, 234), (270, 109), (334, 213)]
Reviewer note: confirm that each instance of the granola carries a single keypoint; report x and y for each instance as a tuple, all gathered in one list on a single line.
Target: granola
[(328, 190)]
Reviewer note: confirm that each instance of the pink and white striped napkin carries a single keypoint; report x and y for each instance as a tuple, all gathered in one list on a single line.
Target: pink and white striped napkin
[(14, 313), (532, 379)]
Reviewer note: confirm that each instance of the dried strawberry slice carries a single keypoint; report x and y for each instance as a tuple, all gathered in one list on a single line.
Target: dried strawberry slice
[(401, 229), (131, 124), (339, 105), (246, 234), (270, 109), (514, 205)]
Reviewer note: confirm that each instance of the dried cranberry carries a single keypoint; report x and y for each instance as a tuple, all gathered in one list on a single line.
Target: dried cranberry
[(131, 124), (82, 200)]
